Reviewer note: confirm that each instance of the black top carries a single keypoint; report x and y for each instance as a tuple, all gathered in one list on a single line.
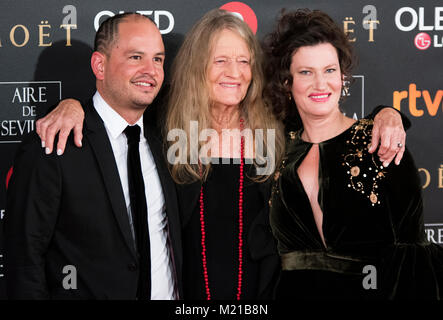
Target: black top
[(371, 216), (221, 216)]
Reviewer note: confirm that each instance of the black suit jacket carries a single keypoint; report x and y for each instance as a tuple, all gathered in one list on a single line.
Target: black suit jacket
[(70, 210)]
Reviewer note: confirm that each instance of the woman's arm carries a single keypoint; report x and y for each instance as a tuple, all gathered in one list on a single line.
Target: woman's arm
[(389, 133), (67, 116)]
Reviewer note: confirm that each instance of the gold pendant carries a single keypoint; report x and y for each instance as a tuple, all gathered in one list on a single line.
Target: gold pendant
[(373, 198), (355, 171)]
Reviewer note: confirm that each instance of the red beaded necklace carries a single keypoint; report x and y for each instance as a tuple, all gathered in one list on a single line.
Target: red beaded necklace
[(240, 227)]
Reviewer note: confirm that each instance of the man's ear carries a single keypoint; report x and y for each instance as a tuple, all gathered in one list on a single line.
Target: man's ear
[(98, 62)]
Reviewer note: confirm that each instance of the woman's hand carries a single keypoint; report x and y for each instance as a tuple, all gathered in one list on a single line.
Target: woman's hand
[(66, 116), (389, 132)]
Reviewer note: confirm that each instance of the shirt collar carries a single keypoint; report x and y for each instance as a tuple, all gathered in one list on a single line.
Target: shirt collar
[(113, 121)]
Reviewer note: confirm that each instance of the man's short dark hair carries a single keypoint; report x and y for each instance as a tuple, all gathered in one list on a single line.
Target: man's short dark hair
[(107, 33)]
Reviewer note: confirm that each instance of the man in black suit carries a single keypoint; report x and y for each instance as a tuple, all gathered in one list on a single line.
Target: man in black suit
[(70, 231)]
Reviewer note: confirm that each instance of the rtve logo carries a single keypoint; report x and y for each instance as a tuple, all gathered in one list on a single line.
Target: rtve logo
[(407, 19), (432, 103), (244, 12)]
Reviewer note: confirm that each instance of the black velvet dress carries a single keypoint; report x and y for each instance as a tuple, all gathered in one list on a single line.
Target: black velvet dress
[(372, 225), (260, 258)]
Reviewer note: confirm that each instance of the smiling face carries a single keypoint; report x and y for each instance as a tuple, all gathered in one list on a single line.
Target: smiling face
[(229, 71), (132, 73), (317, 80)]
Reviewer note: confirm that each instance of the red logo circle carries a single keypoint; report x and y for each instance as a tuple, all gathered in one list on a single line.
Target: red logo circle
[(422, 41), (244, 12)]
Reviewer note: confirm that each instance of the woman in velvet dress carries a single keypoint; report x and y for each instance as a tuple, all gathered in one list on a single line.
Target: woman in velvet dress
[(347, 226)]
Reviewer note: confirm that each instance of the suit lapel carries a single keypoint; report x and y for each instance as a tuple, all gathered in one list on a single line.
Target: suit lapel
[(152, 136), (168, 186), (101, 146)]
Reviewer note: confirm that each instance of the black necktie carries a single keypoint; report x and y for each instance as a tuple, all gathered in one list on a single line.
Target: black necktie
[(139, 211)]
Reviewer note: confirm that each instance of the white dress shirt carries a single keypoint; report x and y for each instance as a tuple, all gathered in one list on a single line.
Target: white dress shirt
[(162, 279)]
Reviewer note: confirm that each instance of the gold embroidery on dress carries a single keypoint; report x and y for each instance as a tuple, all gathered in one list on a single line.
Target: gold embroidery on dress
[(292, 136), (275, 182), (361, 179)]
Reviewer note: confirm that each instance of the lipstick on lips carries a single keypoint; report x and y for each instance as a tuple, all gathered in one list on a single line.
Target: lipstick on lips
[(320, 97)]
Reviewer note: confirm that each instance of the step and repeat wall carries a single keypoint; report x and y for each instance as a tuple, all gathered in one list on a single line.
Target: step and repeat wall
[(45, 49)]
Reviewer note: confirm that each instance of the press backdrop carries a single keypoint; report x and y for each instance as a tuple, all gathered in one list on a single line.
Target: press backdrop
[(45, 47)]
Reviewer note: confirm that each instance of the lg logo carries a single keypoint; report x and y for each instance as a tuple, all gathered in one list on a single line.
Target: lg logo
[(422, 41), (162, 18)]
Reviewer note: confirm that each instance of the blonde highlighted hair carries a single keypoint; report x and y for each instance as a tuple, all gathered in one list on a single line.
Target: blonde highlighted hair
[(189, 98)]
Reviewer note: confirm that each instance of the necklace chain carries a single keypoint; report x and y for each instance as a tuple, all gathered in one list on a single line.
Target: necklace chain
[(240, 226)]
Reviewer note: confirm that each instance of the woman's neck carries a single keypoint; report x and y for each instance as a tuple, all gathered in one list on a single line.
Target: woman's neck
[(225, 117), (316, 130)]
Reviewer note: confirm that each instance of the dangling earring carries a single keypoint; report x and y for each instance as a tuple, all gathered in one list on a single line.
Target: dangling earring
[(289, 93), (345, 89)]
